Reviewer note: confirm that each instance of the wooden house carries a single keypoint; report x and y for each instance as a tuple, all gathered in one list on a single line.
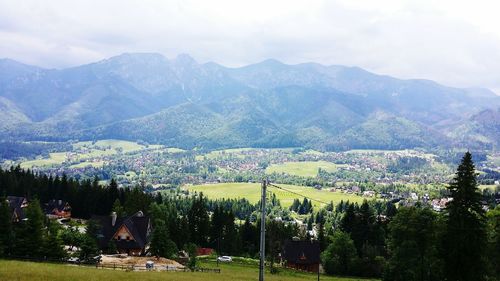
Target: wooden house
[(56, 209), (17, 207), (131, 235), (302, 255)]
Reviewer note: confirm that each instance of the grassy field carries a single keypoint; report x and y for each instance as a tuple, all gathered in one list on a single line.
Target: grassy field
[(21, 271), (302, 169), (491, 187), (251, 191), (54, 159), (86, 150)]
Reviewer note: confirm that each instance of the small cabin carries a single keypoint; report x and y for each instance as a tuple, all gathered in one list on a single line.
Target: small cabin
[(302, 255)]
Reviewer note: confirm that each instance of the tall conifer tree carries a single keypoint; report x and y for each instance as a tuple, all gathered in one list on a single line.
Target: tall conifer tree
[(464, 238), (5, 228)]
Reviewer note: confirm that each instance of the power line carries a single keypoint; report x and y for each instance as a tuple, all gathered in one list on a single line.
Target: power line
[(296, 193)]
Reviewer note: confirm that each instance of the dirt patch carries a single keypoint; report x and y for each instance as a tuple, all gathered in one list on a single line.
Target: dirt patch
[(140, 262)]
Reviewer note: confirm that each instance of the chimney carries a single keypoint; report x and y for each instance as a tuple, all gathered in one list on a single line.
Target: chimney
[(113, 218)]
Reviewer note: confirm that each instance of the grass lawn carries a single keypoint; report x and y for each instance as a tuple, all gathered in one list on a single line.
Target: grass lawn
[(20, 271), (302, 169), (251, 191)]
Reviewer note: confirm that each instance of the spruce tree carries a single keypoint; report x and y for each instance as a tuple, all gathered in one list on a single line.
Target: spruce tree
[(161, 245), (464, 237), (199, 221), (29, 236), (5, 228), (89, 247), (53, 245)]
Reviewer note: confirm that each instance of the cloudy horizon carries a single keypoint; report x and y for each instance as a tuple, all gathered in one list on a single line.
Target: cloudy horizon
[(454, 43)]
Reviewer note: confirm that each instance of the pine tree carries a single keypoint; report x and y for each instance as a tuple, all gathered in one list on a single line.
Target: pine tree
[(118, 209), (465, 235), (199, 221), (161, 245), (6, 234), (89, 248), (29, 238), (412, 244), (340, 256), (53, 245), (349, 219)]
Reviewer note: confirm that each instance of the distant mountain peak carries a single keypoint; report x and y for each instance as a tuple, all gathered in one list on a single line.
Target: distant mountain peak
[(185, 59), (6, 62), (135, 57), (271, 62)]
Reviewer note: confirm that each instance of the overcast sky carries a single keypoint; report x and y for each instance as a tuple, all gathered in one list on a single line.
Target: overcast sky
[(453, 42)]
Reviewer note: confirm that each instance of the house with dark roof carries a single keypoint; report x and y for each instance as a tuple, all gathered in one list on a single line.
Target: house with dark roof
[(56, 209), (131, 235), (302, 255), (17, 207)]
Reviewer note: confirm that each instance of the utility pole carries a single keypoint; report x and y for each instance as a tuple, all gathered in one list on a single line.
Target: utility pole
[(263, 231), (218, 250)]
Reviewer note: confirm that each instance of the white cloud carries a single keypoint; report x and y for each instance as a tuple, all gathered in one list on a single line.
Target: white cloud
[(453, 42)]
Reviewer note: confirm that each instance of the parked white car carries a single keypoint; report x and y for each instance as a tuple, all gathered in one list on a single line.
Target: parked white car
[(74, 260), (225, 259)]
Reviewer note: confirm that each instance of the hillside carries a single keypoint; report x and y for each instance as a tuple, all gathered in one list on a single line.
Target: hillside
[(186, 104)]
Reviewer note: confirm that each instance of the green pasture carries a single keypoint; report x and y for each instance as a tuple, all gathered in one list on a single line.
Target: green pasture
[(54, 159), (85, 152), (251, 191)]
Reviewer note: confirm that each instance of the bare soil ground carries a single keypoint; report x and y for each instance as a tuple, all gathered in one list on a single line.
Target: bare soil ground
[(124, 260)]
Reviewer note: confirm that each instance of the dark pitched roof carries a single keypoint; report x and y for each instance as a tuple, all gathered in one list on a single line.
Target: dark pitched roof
[(137, 225), (16, 206), (60, 205), (302, 252)]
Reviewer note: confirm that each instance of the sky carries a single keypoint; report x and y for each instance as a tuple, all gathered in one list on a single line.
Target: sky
[(454, 42)]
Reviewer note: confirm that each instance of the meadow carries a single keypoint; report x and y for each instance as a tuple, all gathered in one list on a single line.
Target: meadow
[(21, 271), (251, 191), (85, 153)]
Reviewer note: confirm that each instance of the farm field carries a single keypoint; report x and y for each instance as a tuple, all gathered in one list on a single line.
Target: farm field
[(251, 191), (83, 153), (302, 169), (56, 158), (24, 271)]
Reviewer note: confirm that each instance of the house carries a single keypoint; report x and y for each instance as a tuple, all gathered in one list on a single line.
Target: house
[(56, 209), (302, 255), (17, 207), (131, 235), (204, 251)]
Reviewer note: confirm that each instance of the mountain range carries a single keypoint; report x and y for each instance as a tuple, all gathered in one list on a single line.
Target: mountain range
[(180, 102)]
